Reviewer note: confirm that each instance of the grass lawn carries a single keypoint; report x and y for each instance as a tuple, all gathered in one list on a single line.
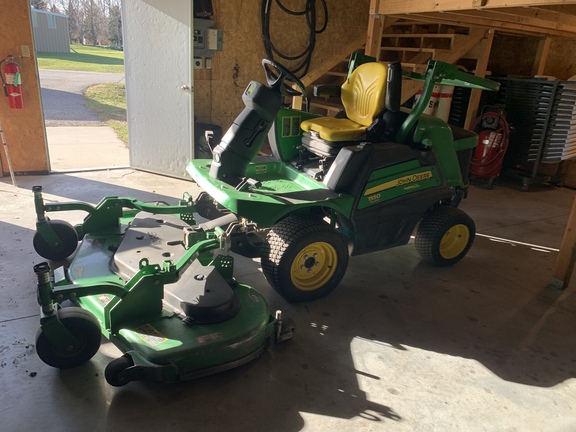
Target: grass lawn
[(83, 58), (108, 101)]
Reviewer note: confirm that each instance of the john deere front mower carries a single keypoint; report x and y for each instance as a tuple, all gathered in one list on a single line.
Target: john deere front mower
[(347, 185)]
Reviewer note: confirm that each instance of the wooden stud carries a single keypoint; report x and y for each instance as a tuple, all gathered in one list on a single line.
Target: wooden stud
[(481, 67), (375, 28), (567, 255), (541, 56)]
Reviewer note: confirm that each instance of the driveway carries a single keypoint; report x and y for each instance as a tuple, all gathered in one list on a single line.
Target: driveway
[(63, 99)]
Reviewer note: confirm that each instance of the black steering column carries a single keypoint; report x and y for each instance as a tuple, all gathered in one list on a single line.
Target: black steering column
[(243, 140)]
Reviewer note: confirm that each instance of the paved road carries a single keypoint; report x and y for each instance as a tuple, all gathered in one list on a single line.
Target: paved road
[(62, 96)]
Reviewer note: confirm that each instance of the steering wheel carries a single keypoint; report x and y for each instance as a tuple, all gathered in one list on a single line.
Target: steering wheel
[(279, 79)]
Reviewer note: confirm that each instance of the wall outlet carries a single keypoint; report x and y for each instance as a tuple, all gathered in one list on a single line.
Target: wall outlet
[(25, 49), (198, 63)]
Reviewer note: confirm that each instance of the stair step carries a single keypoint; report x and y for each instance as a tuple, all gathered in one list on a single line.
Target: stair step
[(409, 49), (327, 105), (416, 67), (438, 28), (337, 73), (419, 35), (431, 41)]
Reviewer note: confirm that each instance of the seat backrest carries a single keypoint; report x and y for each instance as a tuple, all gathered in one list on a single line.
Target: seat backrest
[(363, 92)]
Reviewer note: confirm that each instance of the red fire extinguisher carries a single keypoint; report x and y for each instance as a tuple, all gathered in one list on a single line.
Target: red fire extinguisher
[(12, 82)]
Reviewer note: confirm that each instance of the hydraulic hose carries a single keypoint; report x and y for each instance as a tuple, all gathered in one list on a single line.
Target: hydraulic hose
[(305, 56)]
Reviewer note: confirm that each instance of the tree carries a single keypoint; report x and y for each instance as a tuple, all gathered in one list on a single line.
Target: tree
[(115, 25), (39, 4), (92, 21), (72, 9)]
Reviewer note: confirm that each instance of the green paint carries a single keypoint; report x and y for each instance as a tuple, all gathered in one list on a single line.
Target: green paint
[(283, 190), (287, 131)]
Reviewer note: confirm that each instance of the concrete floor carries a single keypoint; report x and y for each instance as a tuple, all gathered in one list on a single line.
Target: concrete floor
[(91, 147), (399, 346)]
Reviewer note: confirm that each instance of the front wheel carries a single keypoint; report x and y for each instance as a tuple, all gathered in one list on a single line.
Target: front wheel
[(445, 235), (84, 327), (304, 259), (68, 241)]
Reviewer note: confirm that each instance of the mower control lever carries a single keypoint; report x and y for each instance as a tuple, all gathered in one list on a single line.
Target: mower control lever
[(248, 183)]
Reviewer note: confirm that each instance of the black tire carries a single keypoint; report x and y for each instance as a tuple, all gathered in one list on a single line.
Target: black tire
[(113, 372), (66, 247), (304, 258), (84, 326), (491, 181), (444, 236)]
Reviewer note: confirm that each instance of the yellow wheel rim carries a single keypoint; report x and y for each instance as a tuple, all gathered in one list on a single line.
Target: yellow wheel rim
[(314, 266), (454, 241)]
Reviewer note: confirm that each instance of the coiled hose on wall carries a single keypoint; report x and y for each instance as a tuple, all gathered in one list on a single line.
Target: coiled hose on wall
[(305, 56)]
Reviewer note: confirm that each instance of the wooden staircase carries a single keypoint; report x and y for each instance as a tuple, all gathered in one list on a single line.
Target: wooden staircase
[(411, 43)]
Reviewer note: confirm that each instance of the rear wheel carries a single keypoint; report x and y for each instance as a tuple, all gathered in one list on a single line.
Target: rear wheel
[(445, 235), (304, 259)]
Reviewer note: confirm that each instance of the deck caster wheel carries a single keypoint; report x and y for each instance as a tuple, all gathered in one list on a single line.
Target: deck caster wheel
[(304, 259), (85, 328), (444, 236), (287, 330), (114, 372), (67, 245)]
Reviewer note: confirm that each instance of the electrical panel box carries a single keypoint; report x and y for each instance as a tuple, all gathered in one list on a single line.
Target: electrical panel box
[(207, 39)]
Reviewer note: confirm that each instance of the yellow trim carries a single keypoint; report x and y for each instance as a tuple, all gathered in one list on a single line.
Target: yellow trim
[(454, 241), (314, 266), (401, 181)]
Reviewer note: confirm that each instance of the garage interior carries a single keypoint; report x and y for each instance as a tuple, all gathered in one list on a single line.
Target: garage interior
[(400, 345)]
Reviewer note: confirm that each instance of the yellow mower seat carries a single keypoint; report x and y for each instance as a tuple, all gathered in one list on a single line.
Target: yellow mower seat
[(363, 99)]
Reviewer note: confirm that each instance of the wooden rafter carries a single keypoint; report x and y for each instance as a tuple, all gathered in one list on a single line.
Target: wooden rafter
[(492, 21), (394, 7), (538, 18)]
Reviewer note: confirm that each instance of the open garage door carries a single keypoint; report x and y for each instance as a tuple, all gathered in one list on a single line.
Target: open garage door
[(158, 43)]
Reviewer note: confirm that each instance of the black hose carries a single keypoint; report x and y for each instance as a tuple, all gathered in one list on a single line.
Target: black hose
[(305, 56)]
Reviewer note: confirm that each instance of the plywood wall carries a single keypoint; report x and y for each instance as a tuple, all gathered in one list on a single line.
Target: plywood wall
[(512, 55), (218, 92), (24, 128), (562, 58), (515, 55)]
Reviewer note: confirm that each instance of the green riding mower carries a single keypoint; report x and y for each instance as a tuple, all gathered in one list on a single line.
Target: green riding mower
[(156, 279), (346, 185)]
